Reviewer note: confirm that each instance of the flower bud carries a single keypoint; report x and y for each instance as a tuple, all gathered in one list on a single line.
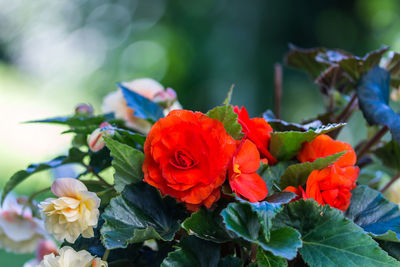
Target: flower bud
[(96, 141), (74, 212), (84, 109), (165, 98), (68, 257), (45, 247)]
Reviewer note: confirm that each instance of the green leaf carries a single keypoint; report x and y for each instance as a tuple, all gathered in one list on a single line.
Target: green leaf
[(305, 59), (266, 210), (228, 117), (389, 154), (127, 163), (230, 261), (207, 225), (228, 98), (74, 156), (373, 96), (285, 145), (329, 239), (267, 259), (139, 214), (130, 138), (355, 66), (193, 252), (244, 221), (375, 214), (80, 124), (297, 174), (393, 248), (272, 176)]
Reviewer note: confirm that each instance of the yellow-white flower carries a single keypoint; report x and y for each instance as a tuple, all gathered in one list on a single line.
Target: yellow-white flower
[(74, 212), (149, 88), (68, 257), (19, 231)]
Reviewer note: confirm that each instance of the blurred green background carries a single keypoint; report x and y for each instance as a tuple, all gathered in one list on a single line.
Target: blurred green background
[(56, 54)]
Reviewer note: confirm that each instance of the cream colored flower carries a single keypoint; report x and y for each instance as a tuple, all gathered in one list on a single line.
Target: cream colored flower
[(19, 231), (68, 257), (149, 88), (74, 212)]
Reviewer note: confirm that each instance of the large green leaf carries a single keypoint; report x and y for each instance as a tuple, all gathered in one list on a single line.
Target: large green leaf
[(271, 175), (228, 117), (389, 154), (127, 162), (329, 239), (267, 259), (375, 214), (266, 210), (244, 221), (305, 59), (74, 156), (373, 96), (80, 124), (139, 214), (193, 252), (297, 174), (230, 261), (207, 225), (285, 145)]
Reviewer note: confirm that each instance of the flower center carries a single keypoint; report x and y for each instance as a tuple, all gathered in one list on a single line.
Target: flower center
[(183, 160)]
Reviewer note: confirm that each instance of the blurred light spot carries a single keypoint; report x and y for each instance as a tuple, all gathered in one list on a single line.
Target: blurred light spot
[(113, 21), (143, 59)]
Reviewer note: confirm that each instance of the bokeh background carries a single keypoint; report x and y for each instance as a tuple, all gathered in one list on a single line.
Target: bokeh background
[(56, 54)]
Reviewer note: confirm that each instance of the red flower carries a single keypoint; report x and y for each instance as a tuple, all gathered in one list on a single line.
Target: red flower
[(257, 130), (333, 184), (243, 179), (186, 156), (323, 146)]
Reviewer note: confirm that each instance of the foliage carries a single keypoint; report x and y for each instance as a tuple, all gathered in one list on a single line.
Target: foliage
[(216, 225)]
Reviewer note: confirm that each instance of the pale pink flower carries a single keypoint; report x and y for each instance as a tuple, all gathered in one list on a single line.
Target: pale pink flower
[(20, 232)]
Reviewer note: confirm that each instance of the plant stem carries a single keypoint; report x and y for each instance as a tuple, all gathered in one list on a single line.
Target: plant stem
[(394, 179), (366, 147), (31, 197), (278, 90), (343, 116), (105, 256), (253, 255), (104, 191), (101, 179)]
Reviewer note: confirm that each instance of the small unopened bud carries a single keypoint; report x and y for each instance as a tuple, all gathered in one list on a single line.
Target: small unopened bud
[(165, 98), (84, 109), (45, 247), (96, 141)]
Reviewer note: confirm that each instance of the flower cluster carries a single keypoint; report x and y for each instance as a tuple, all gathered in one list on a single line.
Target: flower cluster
[(220, 180)]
